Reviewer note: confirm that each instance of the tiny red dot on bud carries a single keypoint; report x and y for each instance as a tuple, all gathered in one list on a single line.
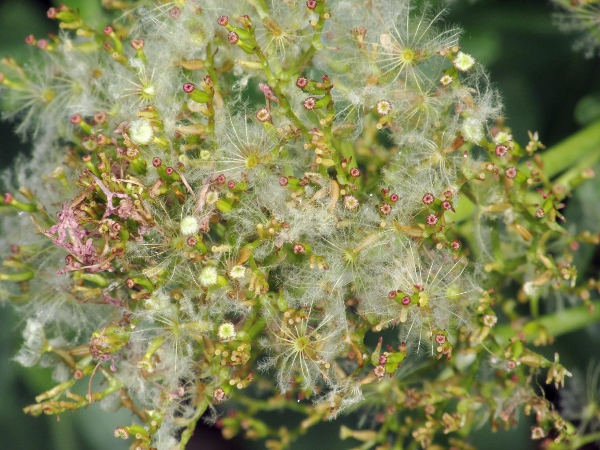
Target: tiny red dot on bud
[(175, 12), (355, 172), (108, 29), (392, 294), (283, 181), (394, 198), (76, 119), (137, 44), (311, 4), (299, 248), (156, 161), (231, 184), (428, 199), (406, 300), (51, 13), (188, 87), (100, 117), (310, 103), (501, 150), (233, 37), (169, 170), (432, 219), (385, 209), (263, 115), (511, 172), (221, 179), (223, 21), (301, 82), (30, 39), (8, 198)]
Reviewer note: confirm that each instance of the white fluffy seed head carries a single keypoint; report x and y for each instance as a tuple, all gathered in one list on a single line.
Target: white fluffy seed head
[(189, 225), (237, 272), (226, 331), (141, 132), (208, 276), (463, 61)]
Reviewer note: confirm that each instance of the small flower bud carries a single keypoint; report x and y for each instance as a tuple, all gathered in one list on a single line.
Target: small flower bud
[(385, 209), (440, 339), (108, 30), (310, 103), (137, 44), (489, 320), (432, 219), (301, 82), (76, 119), (263, 115), (219, 395), (121, 432), (446, 205), (379, 371), (175, 12), (501, 150), (383, 107), (299, 248), (394, 198), (233, 37), (455, 244), (223, 21), (231, 184), (188, 88), (355, 172), (156, 161), (446, 80), (350, 202), (51, 13), (463, 61), (428, 199), (283, 181), (392, 294), (511, 172), (406, 300)]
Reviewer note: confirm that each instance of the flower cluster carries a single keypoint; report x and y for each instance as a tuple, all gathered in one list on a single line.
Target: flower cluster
[(290, 199)]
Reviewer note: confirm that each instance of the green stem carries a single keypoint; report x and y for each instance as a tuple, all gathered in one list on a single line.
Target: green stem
[(557, 324), (189, 431), (581, 146), (581, 150)]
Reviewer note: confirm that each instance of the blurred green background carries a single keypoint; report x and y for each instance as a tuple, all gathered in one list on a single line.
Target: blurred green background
[(546, 87)]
